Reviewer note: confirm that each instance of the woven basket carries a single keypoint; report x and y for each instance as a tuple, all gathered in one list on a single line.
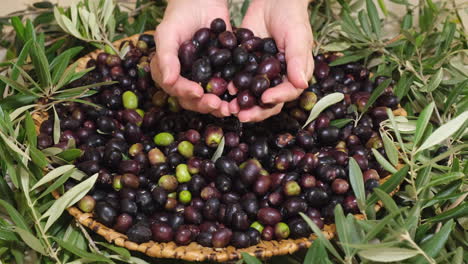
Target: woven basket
[(193, 251)]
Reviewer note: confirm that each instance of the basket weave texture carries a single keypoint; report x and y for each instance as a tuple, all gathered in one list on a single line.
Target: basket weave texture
[(193, 251)]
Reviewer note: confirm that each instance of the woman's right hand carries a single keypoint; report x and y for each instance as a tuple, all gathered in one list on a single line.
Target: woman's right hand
[(181, 20)]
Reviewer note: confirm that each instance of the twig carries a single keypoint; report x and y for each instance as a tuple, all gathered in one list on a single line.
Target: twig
[(88, 237)]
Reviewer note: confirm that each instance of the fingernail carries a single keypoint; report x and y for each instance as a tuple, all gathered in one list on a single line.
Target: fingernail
[(165, 75), (305, 79), (244, 120), (196, 93)]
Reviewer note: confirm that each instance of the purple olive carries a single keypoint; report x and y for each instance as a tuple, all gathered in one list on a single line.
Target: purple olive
[(270, 67), (216, 86), (245, 99)]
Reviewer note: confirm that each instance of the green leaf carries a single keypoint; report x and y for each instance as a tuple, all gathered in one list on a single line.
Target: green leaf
[(15, 216), (17, 86), (383, 7), (70, 154), (340, 123), (351, 57), (342, 229), (67, 199), (376, 93), (422, 122), (373, 17), (357, 183), (219, 150), (389, 254), (56, 133), (390, 149), (30, 129), (30, 240), (41, 65), (318, 232), (444, 131), (322, 104), (454, 95), (18, 27), (57, 183), (81, 253), (53, 174), (316, 253), (248, 259), (445, 179), (20, 60), (454, 213), (382, 161), (38, 157), (364, 21), (434, 81), (119, 250), (389, 185), (336, 46), (433, 245)]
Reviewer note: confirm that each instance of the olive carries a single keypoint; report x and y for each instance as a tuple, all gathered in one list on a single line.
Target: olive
[(218, 25), (269, 46), (316, 197), (220, 57), (231, 209), (176, 220), (202, 151), (217, 86), (282, 230), (208, 169), (209, 227), (168, 183), (308, 181), (321, 70), (245, 99), (132, 116), (249, 172), (163, 139), (307, 100), (132, 133), (87, 204), (185, 149), (240, 56), (362, 161), (204, 239), (291, 188), (202, 36), (183, 236), (162, 232), (227, 40), (201, 70), (213, 135), (188, 52), (211, 208), (240, 221), (89, 167), (258, 85), (371, 184), (155, 156), (262, 185), (139, 233), (159, 195), (128, 206), (350, 204), (270, 67), (268, 216), (223, 183), (123, 223), (243, 34), (293, 206), (242, 80), (268, 233), (388, 100), (130, 100), (113, 61), (228, 72), (240, 240), (192, 215), (259, 149), (129, 166), (105, 213), (299, 228), (185, 197), (227, 166), (130, 180), (221, 238), (252, 44), (328, 135)]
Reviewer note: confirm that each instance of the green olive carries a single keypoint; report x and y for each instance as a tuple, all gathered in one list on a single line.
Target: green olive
[(185, 149), (256, 225), (182, 173), (185, 197), (174, 105), (87, 204), (117, 182), (168, 183), (130, 100), (163, 139), (282, 230)]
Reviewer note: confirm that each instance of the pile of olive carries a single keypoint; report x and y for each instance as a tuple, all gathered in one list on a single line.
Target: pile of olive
[(156, 177), (214, 57)]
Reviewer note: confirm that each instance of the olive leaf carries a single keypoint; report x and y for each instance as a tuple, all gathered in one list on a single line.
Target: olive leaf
[(322, 104), (444, 131), (55, 173), (69, 198), (382, 161), (388, 254), (422, 122), (56, 131), (357, 182), (248, 259), (219, 150)]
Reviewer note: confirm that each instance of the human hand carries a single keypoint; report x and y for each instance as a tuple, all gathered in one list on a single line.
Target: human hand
[(287, 22), (181, 20)]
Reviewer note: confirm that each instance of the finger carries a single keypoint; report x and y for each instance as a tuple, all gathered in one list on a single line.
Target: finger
[(298, 48), (207, 104), (234, 106), (283, 92), (224, 108), (231, 88), (257, 113), (186, 88), (168, 43)]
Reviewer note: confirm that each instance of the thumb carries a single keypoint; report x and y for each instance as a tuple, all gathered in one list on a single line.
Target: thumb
[(298, 52), (167, 43)]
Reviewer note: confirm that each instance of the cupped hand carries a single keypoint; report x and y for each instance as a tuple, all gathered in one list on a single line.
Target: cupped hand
[(181, 20), (287, 22)]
